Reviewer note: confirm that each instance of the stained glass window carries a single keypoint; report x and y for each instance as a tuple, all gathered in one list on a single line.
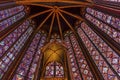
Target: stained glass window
[(54, 69), (108, 30), (86, 73), (7, 3), (112, 0), (50, 70), (115, 22), (11, 11), (37, 59), (75, 74), (102, 54), (13, 52), (8, 41), (59, 70), (28, 64), (8, 22), (26, 61)]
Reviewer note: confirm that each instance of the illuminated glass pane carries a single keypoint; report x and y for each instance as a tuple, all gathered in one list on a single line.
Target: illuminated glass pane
[(27, 59), (11, 11), (37, 58), (112, 58), (13, 52), (50, 70), (115, 22), (7, 42), (104, 69), (86, 73), (75, 74), (112, 0), (59, 70), (108, 30), (54, 69), (8, 22)]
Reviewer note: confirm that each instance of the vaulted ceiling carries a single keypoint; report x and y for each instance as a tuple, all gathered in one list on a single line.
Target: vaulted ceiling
[(56, 16)]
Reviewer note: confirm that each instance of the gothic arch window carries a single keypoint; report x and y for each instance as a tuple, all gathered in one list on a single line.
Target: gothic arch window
[(13, 15), (11, 11), (115, 22), (76, 57), (84, 68), (74, 72), (105, 58), (12, 44), (37, 59), (12, 37), (28, 65), (114, 34)]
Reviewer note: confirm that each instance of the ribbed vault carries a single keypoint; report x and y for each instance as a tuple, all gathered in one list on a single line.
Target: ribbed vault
[(56, 16)]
